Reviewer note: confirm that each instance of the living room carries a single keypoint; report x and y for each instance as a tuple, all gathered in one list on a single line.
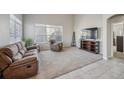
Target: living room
[(66, 46), (67, 58)]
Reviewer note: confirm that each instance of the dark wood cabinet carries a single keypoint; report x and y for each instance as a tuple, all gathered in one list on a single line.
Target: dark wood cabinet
[(91, 46), (120, 43)]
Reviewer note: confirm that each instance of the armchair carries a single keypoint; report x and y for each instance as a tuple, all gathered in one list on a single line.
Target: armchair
[(56, 46)]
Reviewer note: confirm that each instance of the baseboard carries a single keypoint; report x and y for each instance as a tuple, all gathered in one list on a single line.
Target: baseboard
[(66, 46), (108, 58)]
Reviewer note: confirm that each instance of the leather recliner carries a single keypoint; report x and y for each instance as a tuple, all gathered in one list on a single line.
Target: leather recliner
[(56, 46), (16, 62)]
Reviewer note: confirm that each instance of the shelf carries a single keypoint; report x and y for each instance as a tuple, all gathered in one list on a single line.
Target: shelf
[(90, 46)]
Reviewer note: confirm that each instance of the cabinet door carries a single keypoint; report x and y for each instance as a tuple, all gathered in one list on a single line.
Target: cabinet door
[(120, 43)]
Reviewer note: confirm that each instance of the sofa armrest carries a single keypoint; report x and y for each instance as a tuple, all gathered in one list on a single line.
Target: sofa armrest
[(24, 60), (31, 47), (35, 46), (24, 68)]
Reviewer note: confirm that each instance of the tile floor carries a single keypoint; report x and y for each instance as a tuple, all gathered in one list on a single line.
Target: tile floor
[(103, 69)]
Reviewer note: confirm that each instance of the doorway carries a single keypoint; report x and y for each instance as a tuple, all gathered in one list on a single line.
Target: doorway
[(117, 29)]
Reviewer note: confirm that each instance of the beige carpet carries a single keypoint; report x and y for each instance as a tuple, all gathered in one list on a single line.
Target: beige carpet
[(54, 64)]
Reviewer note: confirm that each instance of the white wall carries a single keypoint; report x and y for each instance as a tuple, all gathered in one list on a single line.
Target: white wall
[(86, 21), (107, 45), (65, 20), (4, 29)]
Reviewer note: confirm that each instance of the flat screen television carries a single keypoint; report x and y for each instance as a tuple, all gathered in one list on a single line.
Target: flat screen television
[(90, 33)]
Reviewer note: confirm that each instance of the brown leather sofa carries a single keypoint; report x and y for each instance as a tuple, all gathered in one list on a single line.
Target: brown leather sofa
[(17, 63), (56, 46)]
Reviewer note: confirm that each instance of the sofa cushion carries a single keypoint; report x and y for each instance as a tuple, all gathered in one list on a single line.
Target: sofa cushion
[(25, 49), (23, 46), (29, 54), (19, 45), (14, 49), (17, 56), (22, 51), (25, 60)]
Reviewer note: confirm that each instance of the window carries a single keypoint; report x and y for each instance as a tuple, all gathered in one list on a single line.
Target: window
[(44, 33), (15, 29)]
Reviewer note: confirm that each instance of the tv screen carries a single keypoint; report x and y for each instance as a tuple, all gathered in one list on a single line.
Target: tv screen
[(90, 33)]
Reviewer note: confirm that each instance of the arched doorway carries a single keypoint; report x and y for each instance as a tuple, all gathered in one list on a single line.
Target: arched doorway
[(115, 32)]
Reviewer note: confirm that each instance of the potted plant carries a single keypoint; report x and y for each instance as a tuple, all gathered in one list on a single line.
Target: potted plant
[(28, 42)]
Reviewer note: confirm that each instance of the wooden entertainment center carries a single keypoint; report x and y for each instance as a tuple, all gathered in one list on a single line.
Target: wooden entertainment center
[(90, 45)]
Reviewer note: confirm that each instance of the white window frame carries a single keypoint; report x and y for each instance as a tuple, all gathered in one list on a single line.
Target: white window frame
[(15, 29), (40, 25)]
